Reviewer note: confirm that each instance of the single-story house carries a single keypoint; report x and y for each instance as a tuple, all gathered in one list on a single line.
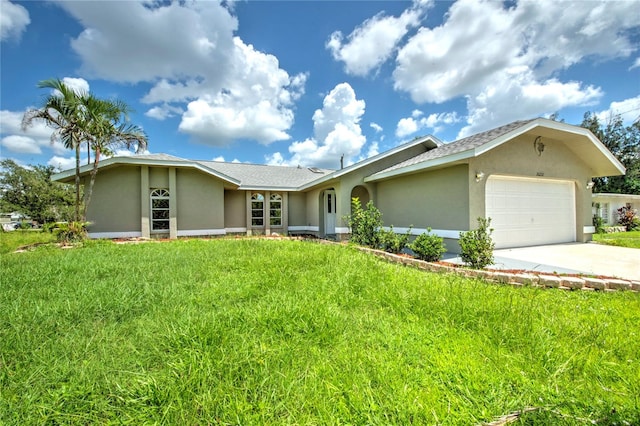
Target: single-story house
[(606, 205), (532, 178)]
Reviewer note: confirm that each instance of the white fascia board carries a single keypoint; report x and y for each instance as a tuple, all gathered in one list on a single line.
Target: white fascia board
[(621, 196), (145, 162), (267, 188), (370, 160), (422, 166)]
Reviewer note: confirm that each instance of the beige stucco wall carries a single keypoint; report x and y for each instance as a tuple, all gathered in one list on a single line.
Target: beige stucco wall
[(437, 199), (519, 158), (200, 201), (297, 209), (235, 209), (158, 177), (115, 203)]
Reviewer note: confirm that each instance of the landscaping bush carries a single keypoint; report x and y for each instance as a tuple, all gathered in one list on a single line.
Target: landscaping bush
[(628, 218), (365, 224), (428, 246), (477, 246), (71, 232), (392, 242), (598, 222)]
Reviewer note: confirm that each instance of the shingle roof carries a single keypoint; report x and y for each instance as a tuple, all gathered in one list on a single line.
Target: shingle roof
[(263, 176), (461, 145), (159, 157)]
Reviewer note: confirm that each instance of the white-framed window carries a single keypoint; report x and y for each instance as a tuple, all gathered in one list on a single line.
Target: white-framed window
[(275, 210), (257, 209), (604, 212), (159, 210)]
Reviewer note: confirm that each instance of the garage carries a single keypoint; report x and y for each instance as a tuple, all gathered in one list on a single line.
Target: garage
[(530, 211)]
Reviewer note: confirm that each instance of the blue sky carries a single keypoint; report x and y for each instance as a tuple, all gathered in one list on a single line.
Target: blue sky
[(305, 82)]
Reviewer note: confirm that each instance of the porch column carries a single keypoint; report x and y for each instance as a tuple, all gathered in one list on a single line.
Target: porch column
[(145, 202), (173, 205), (285, 213), (266, 213), (248, 198)]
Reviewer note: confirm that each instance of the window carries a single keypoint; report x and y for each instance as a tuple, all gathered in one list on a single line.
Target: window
[(275, 210), (604, 212), (159, 210), (257, 209)]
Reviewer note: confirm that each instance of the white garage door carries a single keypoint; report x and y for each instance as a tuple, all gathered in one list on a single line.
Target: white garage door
[(528, 212)]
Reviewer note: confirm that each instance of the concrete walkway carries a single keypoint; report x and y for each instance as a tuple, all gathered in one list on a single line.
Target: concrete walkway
[(573, 258)]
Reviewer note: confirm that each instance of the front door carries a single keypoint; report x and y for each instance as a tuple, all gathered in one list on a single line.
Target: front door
[(330, 212)]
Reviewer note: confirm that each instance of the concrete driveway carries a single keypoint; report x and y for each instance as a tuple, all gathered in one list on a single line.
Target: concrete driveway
[(573, 258)]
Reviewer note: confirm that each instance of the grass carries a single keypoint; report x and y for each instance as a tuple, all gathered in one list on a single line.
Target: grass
[(621, 239), (11, 241), (288, 332)]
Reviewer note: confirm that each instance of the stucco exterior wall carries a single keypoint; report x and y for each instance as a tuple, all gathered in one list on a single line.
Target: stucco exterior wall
[(297, 209), (519, 158), (115, 202), (158, 177), (200, 200), (437, 199), (235, 209)]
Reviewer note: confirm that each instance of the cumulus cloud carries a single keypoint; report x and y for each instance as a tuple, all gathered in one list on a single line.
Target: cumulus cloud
[(628, 109), (30, 141), (14, 19), (337, 132), (62, 163), (222, 88), (375, 40), (376, 127), (636, 64), (436, 122), (78, 85)]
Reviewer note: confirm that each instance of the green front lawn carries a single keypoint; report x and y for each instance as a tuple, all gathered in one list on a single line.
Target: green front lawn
[(621, 239), (249, 331)]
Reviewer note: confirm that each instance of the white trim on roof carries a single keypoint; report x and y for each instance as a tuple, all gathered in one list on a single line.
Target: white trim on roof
[(479, 150), (145, 162), (370, 160)]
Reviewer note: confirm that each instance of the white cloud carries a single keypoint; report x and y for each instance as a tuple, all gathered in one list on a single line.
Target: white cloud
[(636, 64), (78, 85), (485, 50), (628, 109), (20, 144), (63, 163), (525, 97), (409, 125), (337, 132), (14, 19), (374, 41), (38, 134), (164, 111), (376, 127), (223, 88)]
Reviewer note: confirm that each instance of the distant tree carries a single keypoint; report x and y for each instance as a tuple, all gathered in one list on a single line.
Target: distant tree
[(30, 191), (624, 143)]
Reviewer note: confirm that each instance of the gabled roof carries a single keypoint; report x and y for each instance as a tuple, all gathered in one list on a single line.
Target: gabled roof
[(585, 145), (258, 176), (240, 175)]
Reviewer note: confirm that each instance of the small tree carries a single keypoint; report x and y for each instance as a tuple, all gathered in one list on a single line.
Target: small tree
[(628, 217), (477, 246), (365, 224), (428, 246)]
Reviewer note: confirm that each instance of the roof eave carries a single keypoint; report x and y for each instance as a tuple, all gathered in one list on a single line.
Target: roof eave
[(418, 167)]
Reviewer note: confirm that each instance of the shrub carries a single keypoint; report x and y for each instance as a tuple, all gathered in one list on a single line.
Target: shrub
[(365, 224), (428, 246), (477, 246), (598, 222), (392, 242), (628, 218), (71, 232)]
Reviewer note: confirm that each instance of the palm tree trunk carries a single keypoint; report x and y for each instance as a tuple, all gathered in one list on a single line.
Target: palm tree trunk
[(94, 172), (77, 146)]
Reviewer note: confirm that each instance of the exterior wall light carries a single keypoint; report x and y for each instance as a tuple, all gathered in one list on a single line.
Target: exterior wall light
[(538, 145), (590, 184), (479, 176)]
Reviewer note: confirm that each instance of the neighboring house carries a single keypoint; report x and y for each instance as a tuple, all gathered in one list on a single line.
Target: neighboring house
[(606, 205), (532, 178)]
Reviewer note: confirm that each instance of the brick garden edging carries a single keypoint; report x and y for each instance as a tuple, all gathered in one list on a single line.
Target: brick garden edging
[(520, 279)]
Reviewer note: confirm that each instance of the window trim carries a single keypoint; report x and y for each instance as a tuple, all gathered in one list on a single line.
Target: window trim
[(159, 194), (275, 199), (257, 197)]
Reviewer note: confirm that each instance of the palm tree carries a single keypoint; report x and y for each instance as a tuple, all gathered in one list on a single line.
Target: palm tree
[(63, 110), (108, 130)]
